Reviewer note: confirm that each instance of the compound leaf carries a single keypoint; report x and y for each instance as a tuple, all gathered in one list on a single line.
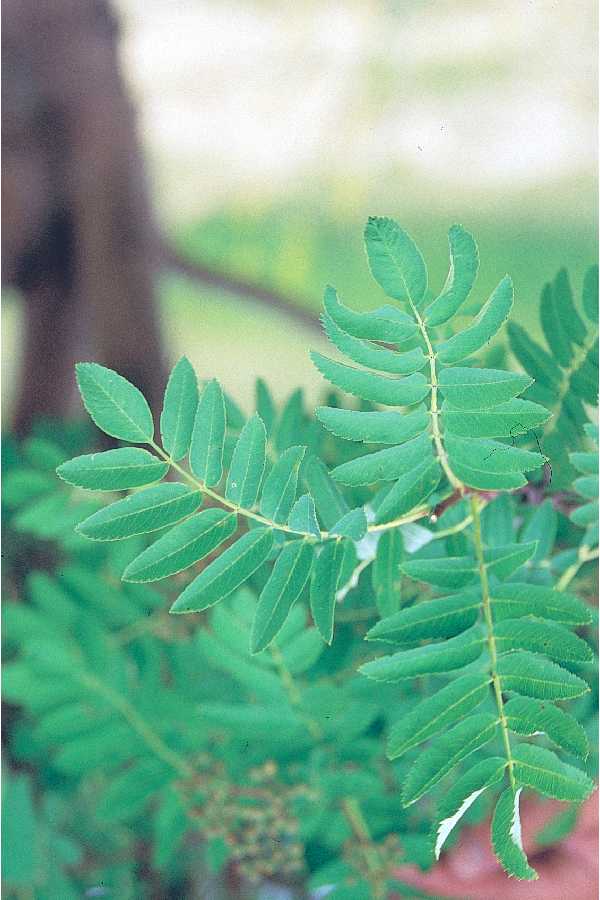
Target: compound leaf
[(395, 260), (489, 320)]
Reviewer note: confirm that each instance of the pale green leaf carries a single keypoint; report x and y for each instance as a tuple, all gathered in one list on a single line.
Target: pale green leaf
[(440, 618), (226, 573), (113, 470), (384, 465), (461, 796), (284, 586), (396, 262), (373, 427), (208, 436), (279, 491), (325, 584), (487, 323), (445, 751), (464, 263), (179, 409), (352, 525), (371, 355), (511, 419), (533, 676), (543, 771), (184, 545), (115, 405), (506, 837), (410, 491), (247, 464), (468, 388), (454, 653), (548, 638), (142, 512), (369, 386), (527, 716), (585, 515), (435, 713), (385, 324), (513, 600), (303, 517)]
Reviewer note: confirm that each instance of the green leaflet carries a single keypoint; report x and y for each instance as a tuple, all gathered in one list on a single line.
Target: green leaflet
[(446, 572), (486, 481), (491, 456), (291, 422), (541, 770), (386, 324), (384, 465), (113, 470), (208, 436), (511, 419), (512, 600), (247, 464), (371, 355), (542, 527), (445, 751), (284, 586), (324, 586), (179, 409), (565, 307), (586, 463), (527, 716), (352, 525), (142, 512), (533, 676), (115, 405), (440, 618), (464, 263), (585, 515), (329, 501), (184, 545), (368, 386), (435, 713), (387, 579), (538, 636), (454, 653), (589, 296), (410, 491), (532, 357), (552, 326), (489, 320), (265, 405), (462, 795), (303, 517), (506, 837), (373, 427), (395, 260), (587, 486), (279, 491), (226, 573), (480, 388)]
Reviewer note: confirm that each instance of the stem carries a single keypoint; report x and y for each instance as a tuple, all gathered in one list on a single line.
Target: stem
[(354, 815), (491, 639), (584, 555), (293, 692)]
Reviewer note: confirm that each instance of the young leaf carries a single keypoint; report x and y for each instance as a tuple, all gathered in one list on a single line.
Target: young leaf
[(368, 386), (352, 525), (329, 501), (384, 465), (371, 355), (247, 464), (208, 436), (184, 545), (440, 618), (279, 491), (284, 586), (454, 653), (395, 260), (115, 405), (386, 324), (226, 573), (513, 600), (113, 470), (463, 794), (511, 419), (410, 490), (506, 836), (528, 717), (464, 263), (435, 713), (489, 320), (543, 771), (538, 636), (303, 517), (179, 409), (139, 513), (324, 586), (480, 388), (373, 427), (445, 752), (387, 578), (533, 676)]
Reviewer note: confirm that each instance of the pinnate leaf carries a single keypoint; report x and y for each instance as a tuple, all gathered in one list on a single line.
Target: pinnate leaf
[(514, 600), (396, 262), (506, 837), (463, 794), (440, 618), (384, 465), (352, 525), (371, 355), (385, 324), (208, 436), (548, 638), (511, 419), (489, 320)]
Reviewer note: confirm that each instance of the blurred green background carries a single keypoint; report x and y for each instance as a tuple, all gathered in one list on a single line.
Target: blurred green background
[(273, 130)]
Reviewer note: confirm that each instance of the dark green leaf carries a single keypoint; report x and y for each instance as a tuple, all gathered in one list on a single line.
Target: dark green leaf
[(284, 586)]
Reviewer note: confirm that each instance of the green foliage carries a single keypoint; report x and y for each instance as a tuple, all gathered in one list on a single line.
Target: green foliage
[(428, 552)]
